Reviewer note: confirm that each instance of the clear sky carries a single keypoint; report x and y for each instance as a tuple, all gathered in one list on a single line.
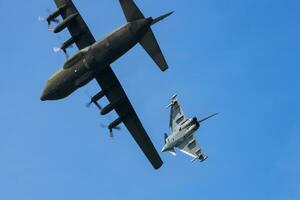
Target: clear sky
[(238, 58)]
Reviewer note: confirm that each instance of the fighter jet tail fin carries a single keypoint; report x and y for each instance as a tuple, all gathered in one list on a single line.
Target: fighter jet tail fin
[(149, 43), (166, 137)]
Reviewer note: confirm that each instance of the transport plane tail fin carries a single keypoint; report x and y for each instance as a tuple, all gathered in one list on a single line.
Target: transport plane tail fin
[(148, 42)]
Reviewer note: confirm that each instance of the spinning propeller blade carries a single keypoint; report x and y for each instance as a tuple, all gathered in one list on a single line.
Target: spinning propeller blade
[(92, 101), (43, 19), (56, 49), (95, 103), (111, 130)]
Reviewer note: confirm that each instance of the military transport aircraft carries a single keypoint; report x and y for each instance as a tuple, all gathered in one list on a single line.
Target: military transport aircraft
[(183, 133), (94, 59)]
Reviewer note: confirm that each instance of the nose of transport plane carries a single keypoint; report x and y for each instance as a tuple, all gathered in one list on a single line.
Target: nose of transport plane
[(49, 92), (45, 94)]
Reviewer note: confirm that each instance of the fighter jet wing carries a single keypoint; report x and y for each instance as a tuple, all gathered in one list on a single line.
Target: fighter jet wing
[(121, 104), (176, 114), (192, 148), (78, 29)]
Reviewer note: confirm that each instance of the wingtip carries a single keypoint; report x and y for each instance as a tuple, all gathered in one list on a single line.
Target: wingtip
[(157, 167), (165, 68)]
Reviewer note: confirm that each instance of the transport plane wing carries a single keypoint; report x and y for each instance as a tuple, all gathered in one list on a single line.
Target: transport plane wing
[(77, 27), (121, 104), (108, 81)]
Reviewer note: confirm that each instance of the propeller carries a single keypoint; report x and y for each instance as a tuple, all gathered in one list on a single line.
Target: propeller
[(111, 129), (43, 19), (95, 103), (58, 49), (92, 101), (48, 20), (206, 118)]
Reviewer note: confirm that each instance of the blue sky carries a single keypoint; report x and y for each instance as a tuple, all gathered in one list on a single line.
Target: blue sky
[(238, 58)]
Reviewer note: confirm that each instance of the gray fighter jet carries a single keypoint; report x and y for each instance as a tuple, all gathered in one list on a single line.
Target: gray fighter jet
[(183, 133)]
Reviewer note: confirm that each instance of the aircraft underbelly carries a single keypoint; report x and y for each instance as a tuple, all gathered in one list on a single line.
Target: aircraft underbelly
[(113, 47), (80, 77), (69, 80), (102, 54), (184, 137)]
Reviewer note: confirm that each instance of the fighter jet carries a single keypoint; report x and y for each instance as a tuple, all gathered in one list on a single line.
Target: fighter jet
[(183, 133), (93, 62)]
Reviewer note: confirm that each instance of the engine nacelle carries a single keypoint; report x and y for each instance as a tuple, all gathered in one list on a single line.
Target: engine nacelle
[(68, 43), (98, 96), (55, 14), (191, 129), (111, 107), (115, 123), (65, 23), (196, 122)]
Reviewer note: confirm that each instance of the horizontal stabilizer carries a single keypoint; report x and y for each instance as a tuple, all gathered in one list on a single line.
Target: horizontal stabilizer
[(131, 11), (149, 43)]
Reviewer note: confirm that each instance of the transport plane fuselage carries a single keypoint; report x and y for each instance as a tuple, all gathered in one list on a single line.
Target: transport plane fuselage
[(81, 68)]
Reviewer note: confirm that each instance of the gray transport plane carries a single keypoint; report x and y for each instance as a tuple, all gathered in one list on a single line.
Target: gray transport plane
[(183, 133), (94, 59)]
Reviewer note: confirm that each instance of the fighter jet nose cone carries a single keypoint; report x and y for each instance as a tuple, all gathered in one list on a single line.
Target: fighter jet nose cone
[(164, 149)]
